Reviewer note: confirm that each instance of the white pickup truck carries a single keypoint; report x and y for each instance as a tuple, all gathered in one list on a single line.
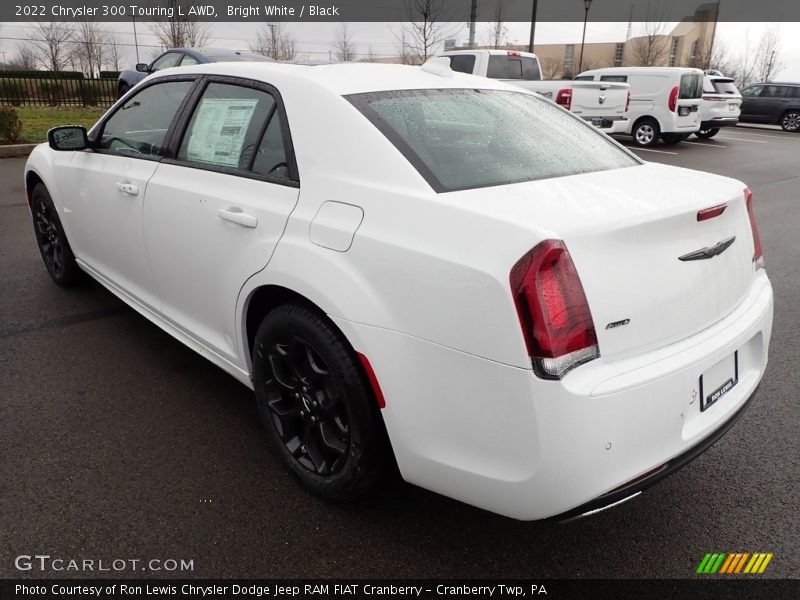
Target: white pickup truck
[(604, 104)]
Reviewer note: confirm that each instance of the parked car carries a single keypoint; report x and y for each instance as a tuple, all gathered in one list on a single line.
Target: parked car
[(721, 105), (774, 103), (183, 57), (448, 269), (603, 104), (665, 101)]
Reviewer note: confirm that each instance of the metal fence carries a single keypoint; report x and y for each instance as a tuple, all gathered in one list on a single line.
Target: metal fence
[(34, 91)]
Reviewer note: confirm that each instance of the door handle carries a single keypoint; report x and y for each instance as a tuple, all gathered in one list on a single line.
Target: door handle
[(128, 188), (236, 215)]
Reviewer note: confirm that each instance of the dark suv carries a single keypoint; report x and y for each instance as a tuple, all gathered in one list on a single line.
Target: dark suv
[(772, 103)]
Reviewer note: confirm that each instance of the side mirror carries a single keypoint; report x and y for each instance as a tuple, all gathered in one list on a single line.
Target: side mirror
[(68, 139), (143, 68)]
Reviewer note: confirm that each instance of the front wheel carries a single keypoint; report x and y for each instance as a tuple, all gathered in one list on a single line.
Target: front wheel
[(51, 239), (707, 134), (646, 133), (314, 401), (791, 121)]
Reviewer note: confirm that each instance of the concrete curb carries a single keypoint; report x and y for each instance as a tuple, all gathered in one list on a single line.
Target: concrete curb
[(17, 150)]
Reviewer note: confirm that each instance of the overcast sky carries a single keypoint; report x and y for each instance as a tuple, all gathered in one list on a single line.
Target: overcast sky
[(314, 39)]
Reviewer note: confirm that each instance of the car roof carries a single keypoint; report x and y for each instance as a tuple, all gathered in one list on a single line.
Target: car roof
[(343, 78), (491, 51), (642, 70)]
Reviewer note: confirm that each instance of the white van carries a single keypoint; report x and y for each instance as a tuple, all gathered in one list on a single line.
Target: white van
[(665, 101)]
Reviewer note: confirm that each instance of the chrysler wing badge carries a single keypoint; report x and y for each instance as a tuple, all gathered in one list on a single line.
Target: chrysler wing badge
[(706, 253)]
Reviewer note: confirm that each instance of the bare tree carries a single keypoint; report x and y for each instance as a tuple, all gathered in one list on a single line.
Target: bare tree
[(716, 57), (552, 68), (343, 47), (114, 51), (404, 48), (87, 47), (274, 41), (652, 48), (370, 55), (498, 32), (179, 31), (425, 31), (25, 57), (51, 44), (769, 58)]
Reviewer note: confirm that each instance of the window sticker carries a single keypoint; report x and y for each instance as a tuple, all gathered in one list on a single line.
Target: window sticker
[(220, 126)]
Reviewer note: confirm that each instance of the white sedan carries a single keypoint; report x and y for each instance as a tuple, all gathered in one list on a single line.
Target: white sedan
[(413, 265)]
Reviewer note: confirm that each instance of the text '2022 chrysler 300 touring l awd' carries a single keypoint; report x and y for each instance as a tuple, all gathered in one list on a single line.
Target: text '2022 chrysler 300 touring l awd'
[(413, 266)]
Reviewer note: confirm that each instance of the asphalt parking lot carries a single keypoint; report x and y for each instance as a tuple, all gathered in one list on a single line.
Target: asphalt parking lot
[(118, 442)]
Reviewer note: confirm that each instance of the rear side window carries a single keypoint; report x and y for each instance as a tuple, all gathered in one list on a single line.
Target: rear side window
[(466, 138), (513, 67), (691, 86), (615, 78), (271, 159), (226, 126), (138, 129), (773, 91), (463, 63), (795, 92), (584, 78)]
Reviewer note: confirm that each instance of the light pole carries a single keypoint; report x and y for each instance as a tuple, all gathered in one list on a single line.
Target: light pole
[(533, 24), (586, 4)]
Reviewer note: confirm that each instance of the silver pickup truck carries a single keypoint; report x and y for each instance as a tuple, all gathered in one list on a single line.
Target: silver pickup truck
[(604, 104)]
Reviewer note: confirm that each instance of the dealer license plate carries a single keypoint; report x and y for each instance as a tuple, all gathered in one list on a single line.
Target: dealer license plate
[(718, 381)]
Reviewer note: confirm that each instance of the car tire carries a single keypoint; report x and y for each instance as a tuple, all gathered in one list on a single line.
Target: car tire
[(124, 88), (646, 133), (790, 121), (314, 400), (673, 138), (52, 240), (707, 134)]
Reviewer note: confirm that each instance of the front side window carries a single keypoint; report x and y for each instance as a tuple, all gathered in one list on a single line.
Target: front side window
[(467, 138), (226, 126), (165, 62), (691, 86), (139, 128)]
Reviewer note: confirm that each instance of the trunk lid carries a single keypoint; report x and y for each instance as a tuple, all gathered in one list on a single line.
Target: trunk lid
[(625, 230)]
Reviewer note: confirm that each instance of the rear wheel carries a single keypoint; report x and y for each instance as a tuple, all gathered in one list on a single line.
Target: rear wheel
[(791, 121), (319, 413), (707, 134), (646, 133), (51, 239)]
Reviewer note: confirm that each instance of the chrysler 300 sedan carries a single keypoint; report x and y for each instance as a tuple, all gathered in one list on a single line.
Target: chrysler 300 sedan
[(418, 267)]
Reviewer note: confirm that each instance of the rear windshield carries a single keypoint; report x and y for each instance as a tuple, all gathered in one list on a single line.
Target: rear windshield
[(463, 138), (513, 67), (691, 86), (725, 87)]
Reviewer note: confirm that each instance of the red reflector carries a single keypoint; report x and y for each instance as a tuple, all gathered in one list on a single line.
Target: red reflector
[(710, 213), (373, 380), (758, 251)]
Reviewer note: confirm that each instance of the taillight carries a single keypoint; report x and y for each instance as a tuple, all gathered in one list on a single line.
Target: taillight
[(758, 252), (553, 312), (564, 98), (673, 99), (628, 103)]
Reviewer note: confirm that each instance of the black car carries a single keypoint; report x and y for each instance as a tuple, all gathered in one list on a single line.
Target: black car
[(184, 57), (773, 103)]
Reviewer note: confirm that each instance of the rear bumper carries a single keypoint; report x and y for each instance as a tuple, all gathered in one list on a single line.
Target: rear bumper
[(726, 122), (609, 125), (640, 484), (497, 437)]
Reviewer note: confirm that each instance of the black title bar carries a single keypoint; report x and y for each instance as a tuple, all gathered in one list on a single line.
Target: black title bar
[(398, 10)]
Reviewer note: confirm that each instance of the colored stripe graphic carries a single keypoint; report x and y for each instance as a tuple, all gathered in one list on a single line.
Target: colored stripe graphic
[(734, 562)]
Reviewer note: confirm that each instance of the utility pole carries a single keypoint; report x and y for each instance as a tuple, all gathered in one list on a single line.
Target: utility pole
[(136, 40), (473, 15), (533, 24), (586, 4)]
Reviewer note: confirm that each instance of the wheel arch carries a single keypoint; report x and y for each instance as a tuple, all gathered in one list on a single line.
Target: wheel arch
[(647, 118)]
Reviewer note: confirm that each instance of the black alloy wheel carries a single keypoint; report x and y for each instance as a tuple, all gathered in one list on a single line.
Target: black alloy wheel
[(51, 239), (316, 403)]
